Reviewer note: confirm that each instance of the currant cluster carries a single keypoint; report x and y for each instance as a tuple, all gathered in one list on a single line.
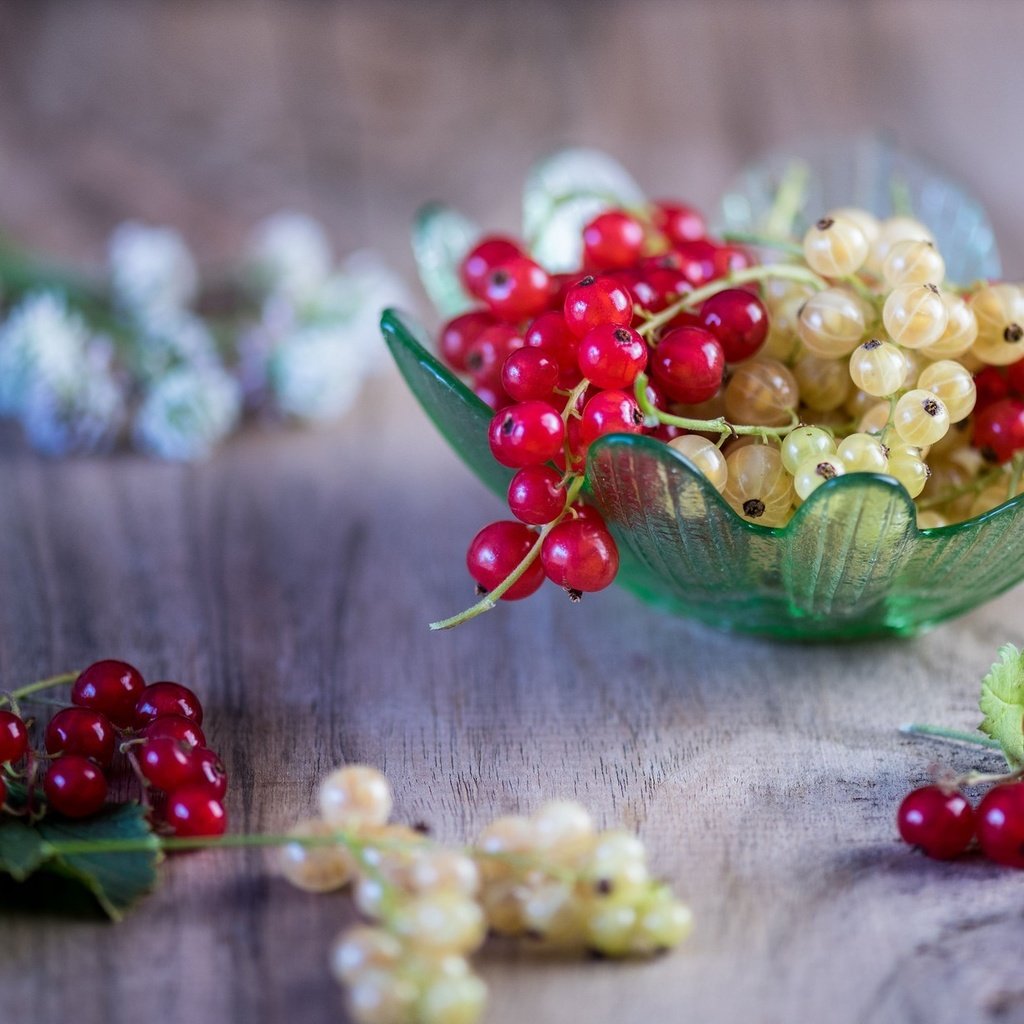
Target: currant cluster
[(941, 822), (118, 724), (551, 878)]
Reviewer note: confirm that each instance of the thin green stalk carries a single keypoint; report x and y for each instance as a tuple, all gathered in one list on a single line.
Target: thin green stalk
[(786, 245), (42, 684), (939, 732), (789, 200)]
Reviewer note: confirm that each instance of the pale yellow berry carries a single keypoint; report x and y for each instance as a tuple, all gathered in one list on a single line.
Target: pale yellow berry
[(930, 520), (782, 342), (805, 443), (661, 926), (759, 488), (617, 865), (370, 895), (915, 315), (440, 870), (913, 262), (564, 830), (316, 868), (920, 418), (859, 402), (552, 915), (355, 796), (511, 833), (762, 392), (891, 231), (813, 472), (909, 469), (999, 310), (960, 333), (835, 247), (864, 219), (831, 323), (361, 949), (824, 383), (442, 922), (863, 453), (502, 905), (453, 1001), (382, 997), (953, 384), (877, 367), (875, 420), (610, 928), (913, 364), (705, 456)]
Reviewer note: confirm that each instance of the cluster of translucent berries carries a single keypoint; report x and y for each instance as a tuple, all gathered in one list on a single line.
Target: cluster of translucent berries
[(854, 356), (551, 878), (117, 724), (943, 824)]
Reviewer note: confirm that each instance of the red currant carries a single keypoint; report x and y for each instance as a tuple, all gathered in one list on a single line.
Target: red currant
[(688, 365), (535, 495), (166, 763), (13, 737), (487, 354), (580, 555), (496, 550), (458, 334), (192, 811), (83, 732), (526, 434), (112, 688), (1001, 824), (999, 429), (698, 261), (1014, 378), (610, 412), (597, 300), (208, 771), (612, 357), (529, 374), (483, 258), (550, 333), (738, 320), (677, 222), (517, 289), (939, 822), (612, 239), (176, 727), (992, 385), (74, 786), (168, 699)]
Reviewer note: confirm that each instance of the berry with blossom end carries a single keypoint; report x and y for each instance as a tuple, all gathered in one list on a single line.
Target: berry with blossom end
[(517, 289), (166, 763), (526, 434), (496, 550), (609, 412), (529, 374), (939, 822), (484, 257), (112, 688), (999, 430), (536, 495), (597, 300), (459, 334), (13, 737), (580, 555), (612, 357), (486, 356), (688, 365)]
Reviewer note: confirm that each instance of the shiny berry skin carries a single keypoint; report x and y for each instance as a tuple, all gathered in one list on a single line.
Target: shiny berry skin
[(13, 737), (550, 333), (678, 222), (580, 555), (487, 354), (999, 429), (534, 495), (457, 335), (738, 320), (688, 365), (208, 772), (74, 786), (1014, 377), (526, 434), (167, 698), (83, 732), (518, 289), (940, 823), (612, 357), (496, 550), (529, 374), (699, 261), (112, 688), (609, 412), (597, 300), (166, 763), (991, 386), (1000, 824), (192, 811), (612, 239), (483, 258), (175, 727)]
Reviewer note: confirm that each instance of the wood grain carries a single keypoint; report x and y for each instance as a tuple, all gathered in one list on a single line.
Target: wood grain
[(291, 578)]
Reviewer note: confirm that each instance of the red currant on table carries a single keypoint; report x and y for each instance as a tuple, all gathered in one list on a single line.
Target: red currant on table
[(612, 239), (81, 731), (580, 555), (166, 763), (483, 258), (595, 301), (1000, 819), (688, 365), (496, 550), (529, 374), (168, 699), (13, 737), (939, 822), (74, 786), (999, 430), (176, 727), (208, 771), (609, 412), (526, 434), (612, 357), (192, 811), (535, 495), (112, 688), (738, 320)]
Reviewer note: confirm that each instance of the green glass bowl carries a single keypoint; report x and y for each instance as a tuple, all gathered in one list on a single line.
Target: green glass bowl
[(851, 563)]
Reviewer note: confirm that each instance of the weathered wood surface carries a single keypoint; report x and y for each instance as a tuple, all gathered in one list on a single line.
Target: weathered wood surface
[(291, 578)]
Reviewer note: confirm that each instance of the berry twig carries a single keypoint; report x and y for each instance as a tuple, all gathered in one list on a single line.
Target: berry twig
[(42, 684), (939, 732)]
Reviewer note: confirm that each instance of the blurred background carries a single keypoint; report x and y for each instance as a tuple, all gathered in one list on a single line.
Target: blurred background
[(208, 114)]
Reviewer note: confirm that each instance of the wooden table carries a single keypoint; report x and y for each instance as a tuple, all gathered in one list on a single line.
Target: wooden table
[(291, 578)]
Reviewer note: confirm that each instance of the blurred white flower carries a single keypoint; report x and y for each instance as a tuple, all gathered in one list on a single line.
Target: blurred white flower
[(289, 253), (187, 413), (152, 272), (173, 338)]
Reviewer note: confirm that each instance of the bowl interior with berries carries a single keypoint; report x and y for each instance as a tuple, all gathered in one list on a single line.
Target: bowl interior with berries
[(800, 429)]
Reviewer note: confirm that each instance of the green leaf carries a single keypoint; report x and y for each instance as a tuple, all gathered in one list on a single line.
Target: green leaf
[(21, 849), (441, 237), (1002, 704)]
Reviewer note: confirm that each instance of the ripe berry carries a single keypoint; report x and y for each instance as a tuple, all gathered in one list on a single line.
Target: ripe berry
[(74, 786), (688, 365), (595, 301), (738, 320), (208, 772), (193, 811), (999, 430), (166, 763), (1000, 819), (487, 354), (550, 333), (991, 386), (483, 258), (529, 374), (110, 687), (939, 822), (610, 412), (612, 357), (535, 495), (678, 223), (83, 732), (612, 239), (168, 699), (1014, 377), (526, 434), (580, 555), (458, 334), (698, 261), (13, 737), (517, 289), (496, 550), (176, 727)]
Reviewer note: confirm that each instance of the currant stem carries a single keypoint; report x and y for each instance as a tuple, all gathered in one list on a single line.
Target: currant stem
[(786, 245), (951, 735), (789, 199), (42, 684)]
